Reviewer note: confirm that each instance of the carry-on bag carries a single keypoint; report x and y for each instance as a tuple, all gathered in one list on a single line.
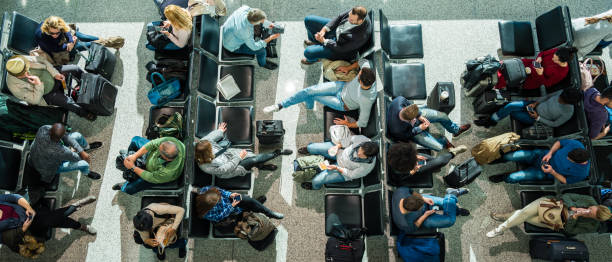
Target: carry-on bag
[(558, 249), (162, 93), (442, 98), (491, 101), (487, 83), (269, 131), (463, 174), (513, 71), (169, 68), (96, 94), (100, 61)]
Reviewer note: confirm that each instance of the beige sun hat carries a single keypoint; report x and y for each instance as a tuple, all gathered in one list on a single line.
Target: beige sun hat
[(17, 65)]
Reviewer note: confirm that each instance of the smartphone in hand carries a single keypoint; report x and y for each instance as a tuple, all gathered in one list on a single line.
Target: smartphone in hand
[(536, 64), (530, 109), (238, 198)]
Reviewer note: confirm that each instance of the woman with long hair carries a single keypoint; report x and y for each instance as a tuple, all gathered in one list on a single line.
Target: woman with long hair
[(177, 27)]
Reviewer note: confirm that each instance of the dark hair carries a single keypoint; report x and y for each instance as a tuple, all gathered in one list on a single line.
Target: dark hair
[(206, 201), (143, 221), (578, 155), (414, 202), (360, 12), (607, 93), (402, 157), (369, 148), (367, 76), (571, 95), (57, 131), (565, 53)]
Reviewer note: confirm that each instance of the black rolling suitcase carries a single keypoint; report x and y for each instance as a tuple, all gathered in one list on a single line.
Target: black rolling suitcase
[(558, 249), (101, 60), (513, 71), (491, 101), (270, 131), (443, 105), (463, 174), (97, 95)]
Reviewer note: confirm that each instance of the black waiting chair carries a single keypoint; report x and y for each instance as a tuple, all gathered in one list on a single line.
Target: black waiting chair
[(374, 177), (371, 130), (400, 41), (173, 185), (198, 227), (373, 213), (235, 183), (200, 179), (21, 33), (211, 72), (210, 42), (347, 207), (10, 163), (31, 177), (205, 117), (239, 121), (407, 80), (528, 197), (603, 157), (516, 38)]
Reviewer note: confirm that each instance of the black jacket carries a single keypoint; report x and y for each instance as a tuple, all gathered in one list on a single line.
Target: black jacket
[(348, 43)]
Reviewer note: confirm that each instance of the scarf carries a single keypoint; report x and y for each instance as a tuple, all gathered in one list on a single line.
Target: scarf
[(353, 156)]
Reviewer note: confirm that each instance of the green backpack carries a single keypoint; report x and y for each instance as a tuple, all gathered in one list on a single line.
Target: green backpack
[(306, 167), (167, 125)]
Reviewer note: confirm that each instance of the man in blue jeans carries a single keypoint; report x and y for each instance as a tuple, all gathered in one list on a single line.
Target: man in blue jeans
[(407, 122), (411, 210), (337, 39), (566, 161)]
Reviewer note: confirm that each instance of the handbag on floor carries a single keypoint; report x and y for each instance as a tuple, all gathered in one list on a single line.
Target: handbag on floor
[(269, 131), (100, 61), (558, 249), (463, 174), (97, 95), (162, 93)]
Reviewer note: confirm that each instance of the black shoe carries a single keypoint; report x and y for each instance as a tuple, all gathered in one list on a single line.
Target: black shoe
[(270, 65), (261, 199), (161, 256), (303, 151), (117, 186), (94, 175), (485, 122), (463, 212), (286, 152), (307, 185), (94, 145), (498, 178), (269, 167), (182, 252)]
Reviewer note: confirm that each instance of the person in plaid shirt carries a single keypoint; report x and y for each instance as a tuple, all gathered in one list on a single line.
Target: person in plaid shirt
[(215, 204)]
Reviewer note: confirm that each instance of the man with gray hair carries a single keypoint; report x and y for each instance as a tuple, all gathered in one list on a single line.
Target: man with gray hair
[(165, 159), (238, 32)]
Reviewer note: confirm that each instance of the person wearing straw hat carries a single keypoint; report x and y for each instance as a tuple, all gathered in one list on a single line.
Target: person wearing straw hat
[(34, 80)]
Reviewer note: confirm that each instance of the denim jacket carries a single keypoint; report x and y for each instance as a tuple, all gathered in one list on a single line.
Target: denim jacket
[(237, 30), (11, 200)]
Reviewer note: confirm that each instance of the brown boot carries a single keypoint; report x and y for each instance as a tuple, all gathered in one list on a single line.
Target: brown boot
[(501, 217)]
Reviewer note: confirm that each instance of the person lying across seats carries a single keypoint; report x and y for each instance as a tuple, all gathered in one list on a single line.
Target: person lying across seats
[(238, 32), (407, 122), (412, 210), (177, 28), (355, 157), (151, 218), (566, 161), (581, 214), (216, 204), (554, 68), (359, 93), (592, 32), (338, 38), (34, 80), (214, 156), (55, 151), (21, 225), (165, 159), (596, 113), (552, 110), (406, 162)]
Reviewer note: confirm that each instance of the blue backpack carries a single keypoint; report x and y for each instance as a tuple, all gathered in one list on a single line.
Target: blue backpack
[(162, 93), (430, 249)]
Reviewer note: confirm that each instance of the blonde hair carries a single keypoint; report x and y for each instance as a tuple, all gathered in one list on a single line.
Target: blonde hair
[(203, 152), (256, 15), (178, 17), (410, 112), (603, 213), (54, 22)]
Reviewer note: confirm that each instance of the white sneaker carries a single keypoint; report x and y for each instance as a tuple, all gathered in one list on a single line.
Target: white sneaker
[(494, 233), (271, 109), (90, 230)]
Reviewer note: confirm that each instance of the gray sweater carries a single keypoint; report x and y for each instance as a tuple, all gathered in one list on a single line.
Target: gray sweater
[(551, 112), (47, 155), (225, 165), (355, 97), (353, 170)]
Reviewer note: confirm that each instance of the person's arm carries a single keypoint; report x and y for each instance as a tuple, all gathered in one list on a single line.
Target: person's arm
[(422, 218), (557, 176), (250, 42), (358, 172), (556, 146), (72, 143), (214, 136), (365, 108), (181, 40), (603, 133), (11, 198), (163, 209), (556, 122), (21, 89), (578, 200), (41, 60), (224, 169), (334, 23)]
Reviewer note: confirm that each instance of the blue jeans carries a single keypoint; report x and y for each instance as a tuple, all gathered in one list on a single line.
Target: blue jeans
[(532, 158), (80, 165), (321, 149), (139, 184), (84, 41), (449, 205), (314, 24), (517, 110), (326, 176), (426, 139), (260, 54), (326, 93), (169, 47)]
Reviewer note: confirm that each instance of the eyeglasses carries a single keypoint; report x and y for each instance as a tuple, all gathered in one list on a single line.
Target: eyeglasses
[(56, 33)]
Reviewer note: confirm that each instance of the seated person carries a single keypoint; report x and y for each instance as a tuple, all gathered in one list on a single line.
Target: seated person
[(165, 159), (153, 216), (359, 93), (216, 204), (18, 219), (552, 110), (566, 161), (55, 151), (354, 160), (406, 162), (336, 39), (411, 210), (53, 36), (596, 113), (238, 35), (34, 80), (554, 69), (225, 162), (407, 122), (592, 32), (606, 195), (583, 215), (177, 28)]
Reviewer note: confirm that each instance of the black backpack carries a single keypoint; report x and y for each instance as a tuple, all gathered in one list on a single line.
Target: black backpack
[(345, 245)]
